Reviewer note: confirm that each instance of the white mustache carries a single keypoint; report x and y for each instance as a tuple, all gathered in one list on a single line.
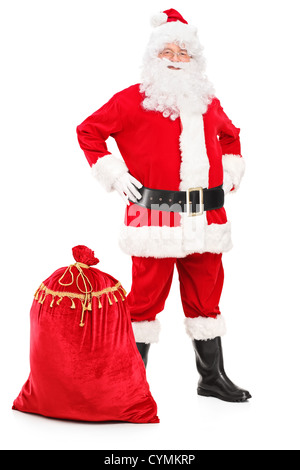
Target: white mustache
[(178, 65)]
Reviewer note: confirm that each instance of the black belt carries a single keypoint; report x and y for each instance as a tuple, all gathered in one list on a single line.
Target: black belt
[(194, 201)]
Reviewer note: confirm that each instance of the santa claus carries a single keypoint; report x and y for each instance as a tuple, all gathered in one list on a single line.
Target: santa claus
[(180, 154)]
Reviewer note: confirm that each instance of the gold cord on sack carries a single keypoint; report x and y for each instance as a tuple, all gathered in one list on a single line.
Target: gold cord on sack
[(86, 295)]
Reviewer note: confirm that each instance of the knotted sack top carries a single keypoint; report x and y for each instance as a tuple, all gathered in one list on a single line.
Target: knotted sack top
[(81, 286)]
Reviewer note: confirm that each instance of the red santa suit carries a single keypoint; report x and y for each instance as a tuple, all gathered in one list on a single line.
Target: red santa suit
[(194, 150)]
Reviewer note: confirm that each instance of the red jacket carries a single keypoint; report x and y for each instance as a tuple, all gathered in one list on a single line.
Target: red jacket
[(194, 150)]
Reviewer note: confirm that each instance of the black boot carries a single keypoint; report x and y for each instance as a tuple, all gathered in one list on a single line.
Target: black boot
[(214, 381), (143, 349)]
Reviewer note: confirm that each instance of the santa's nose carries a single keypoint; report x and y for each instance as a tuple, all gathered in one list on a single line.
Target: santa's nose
[(175, 58)]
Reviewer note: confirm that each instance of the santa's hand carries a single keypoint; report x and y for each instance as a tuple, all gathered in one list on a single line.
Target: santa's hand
[(227, 182), (126, 185)]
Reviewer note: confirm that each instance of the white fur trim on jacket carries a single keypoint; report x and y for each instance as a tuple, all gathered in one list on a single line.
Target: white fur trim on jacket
[(203, 328), (108, 169), (175, 242), (235, 166), (151, 241), (146, 331), (194, 168)]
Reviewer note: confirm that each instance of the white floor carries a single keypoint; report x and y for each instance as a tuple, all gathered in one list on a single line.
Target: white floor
[(269, 421)]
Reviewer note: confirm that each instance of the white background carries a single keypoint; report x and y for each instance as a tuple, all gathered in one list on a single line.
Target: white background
[(60, 61)]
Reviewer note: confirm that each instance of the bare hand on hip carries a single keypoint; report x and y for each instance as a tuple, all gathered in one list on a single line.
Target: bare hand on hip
[(127, 186)]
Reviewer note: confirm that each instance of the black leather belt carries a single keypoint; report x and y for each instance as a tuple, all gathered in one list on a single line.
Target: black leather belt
[(194, 201)]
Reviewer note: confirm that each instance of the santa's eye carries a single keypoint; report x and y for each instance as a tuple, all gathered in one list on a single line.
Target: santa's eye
[(168, 53)]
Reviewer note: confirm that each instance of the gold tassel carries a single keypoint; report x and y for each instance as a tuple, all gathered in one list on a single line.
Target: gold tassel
[(99, 303), (41, 302), (52, 302), (36, 295), (81, 324), (89, 306), (121, 295), (124, 291), (73, 306), (116, 300), (59, 301), (109, 300), (41, 296)]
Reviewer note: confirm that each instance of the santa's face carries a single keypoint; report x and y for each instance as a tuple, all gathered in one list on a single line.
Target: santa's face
[(174, 53), (173, 79)]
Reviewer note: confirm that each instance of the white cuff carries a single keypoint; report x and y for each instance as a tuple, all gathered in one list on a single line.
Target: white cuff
[(146, 331), (108, 169), (203, 328)]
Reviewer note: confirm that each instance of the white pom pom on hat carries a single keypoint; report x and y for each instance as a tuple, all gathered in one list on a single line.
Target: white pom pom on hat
[(159, 19)]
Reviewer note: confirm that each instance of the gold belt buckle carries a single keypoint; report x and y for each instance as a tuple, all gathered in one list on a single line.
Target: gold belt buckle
[(192, 214)]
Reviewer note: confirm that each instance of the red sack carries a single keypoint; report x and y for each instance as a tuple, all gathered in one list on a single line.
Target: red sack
[(84, 364)]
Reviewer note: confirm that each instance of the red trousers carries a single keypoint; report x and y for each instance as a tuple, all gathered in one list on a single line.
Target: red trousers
[(201, 278)]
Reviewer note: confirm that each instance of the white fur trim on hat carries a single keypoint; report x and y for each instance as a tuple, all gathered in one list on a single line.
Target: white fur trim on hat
[(203, 328), (159, 19), (108, 169), (146, 331)]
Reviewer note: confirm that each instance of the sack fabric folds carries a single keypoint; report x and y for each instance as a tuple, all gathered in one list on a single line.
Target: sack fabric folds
[(84, 363)]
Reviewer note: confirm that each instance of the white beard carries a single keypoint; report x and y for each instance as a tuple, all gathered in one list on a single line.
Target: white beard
[(171, 91)]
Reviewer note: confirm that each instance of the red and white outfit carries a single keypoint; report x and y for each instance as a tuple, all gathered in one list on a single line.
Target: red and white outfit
[(193, 150)]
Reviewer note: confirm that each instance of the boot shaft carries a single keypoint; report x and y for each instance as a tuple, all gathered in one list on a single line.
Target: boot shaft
[(213, 379), (143, 349), (209, 357)]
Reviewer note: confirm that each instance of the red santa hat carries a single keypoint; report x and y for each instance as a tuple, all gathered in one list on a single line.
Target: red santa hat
[(167, 16), (171, 27)]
